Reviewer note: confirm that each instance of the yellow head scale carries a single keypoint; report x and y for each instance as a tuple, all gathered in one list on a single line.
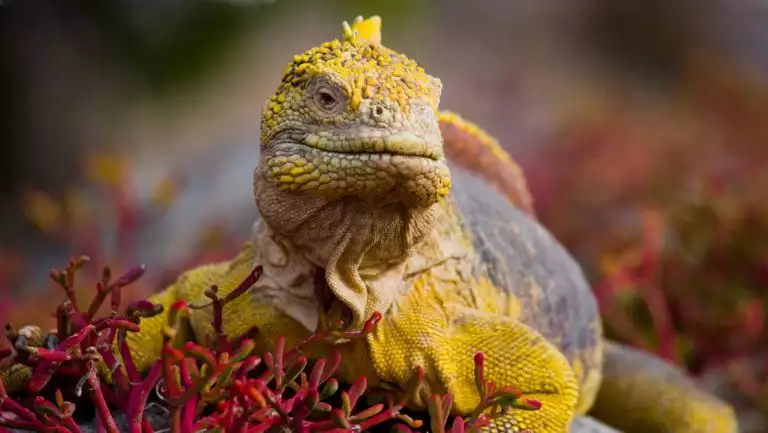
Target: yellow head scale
[(361, 68), (366, 30)]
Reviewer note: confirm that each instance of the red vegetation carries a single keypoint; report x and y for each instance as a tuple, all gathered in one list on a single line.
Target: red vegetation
[(225, 384)]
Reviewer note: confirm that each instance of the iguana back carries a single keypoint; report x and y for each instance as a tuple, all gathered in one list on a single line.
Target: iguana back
[(524, 260), (468, 146)]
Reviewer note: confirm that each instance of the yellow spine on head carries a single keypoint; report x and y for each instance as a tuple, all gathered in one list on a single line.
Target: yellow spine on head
[(363, 29)]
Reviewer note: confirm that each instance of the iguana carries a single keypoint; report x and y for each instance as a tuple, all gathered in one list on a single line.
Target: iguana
[(420, 215)]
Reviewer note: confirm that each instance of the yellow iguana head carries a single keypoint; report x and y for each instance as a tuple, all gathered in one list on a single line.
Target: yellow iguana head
[(352, 119), (352, 171)]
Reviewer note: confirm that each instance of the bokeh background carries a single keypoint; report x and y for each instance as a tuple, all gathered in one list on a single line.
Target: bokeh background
[(131, 129)]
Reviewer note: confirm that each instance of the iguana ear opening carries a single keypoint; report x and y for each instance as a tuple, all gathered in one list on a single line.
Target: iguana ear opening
[(363, 29)]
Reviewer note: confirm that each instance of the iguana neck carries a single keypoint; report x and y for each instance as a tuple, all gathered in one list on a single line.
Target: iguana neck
[(367, 251)]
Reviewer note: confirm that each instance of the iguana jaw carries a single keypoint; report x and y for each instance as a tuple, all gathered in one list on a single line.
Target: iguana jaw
[(376, 166), (375, 141)]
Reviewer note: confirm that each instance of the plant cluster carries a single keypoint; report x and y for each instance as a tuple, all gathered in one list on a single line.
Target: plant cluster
[(225, 384)]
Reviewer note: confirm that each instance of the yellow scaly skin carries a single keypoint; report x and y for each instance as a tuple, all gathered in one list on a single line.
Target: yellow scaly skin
[(352, 178)]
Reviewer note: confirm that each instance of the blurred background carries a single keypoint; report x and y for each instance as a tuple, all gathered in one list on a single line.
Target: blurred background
[(131, 132)]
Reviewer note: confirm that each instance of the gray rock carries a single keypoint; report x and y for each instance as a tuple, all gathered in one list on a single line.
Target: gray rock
[(587, 424), (157, 416)]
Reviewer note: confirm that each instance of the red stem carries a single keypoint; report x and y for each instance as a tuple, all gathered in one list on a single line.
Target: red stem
[(145, 426), (140, 395), (176, 426), (23, 413), (45, 369), (25, 425), (72, 425), (106, 352), (96, 303), (125, 352), (383, 416), (188, 413), (104, 416)]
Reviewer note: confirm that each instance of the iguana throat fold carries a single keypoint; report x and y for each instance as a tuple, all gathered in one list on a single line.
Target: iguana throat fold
[(364, 249)]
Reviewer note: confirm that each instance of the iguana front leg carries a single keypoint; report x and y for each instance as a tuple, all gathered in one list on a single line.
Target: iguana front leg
[(444, 343), (241, 315)]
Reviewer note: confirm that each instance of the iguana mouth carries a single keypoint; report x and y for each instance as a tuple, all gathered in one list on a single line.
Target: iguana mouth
[(399, 143), (372, 165)]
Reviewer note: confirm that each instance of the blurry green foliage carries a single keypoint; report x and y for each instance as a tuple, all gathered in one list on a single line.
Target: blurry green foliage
[(172, 44), (169, 44)]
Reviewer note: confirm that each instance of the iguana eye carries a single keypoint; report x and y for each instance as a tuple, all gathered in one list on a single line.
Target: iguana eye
[(326, 98)]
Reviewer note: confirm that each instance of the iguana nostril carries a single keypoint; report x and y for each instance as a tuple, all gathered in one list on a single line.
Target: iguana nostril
[(382, 114)]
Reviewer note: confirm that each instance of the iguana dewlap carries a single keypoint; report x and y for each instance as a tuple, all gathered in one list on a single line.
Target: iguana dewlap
[(419, 215)]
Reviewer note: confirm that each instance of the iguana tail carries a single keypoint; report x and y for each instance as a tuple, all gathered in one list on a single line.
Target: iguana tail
[(642, 393)]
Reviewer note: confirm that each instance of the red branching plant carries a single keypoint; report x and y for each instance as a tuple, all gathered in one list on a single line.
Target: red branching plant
[(222, 385)]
